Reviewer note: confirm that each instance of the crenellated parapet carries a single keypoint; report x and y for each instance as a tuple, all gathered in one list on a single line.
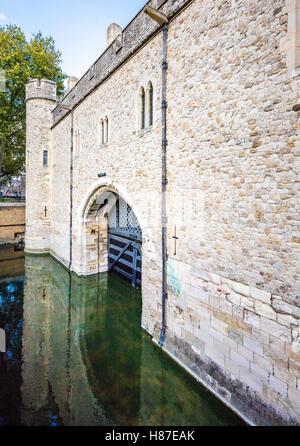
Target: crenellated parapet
[(122, 44), (41, 89)]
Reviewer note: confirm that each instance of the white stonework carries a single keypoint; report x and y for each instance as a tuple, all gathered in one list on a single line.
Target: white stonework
[(232, 195)]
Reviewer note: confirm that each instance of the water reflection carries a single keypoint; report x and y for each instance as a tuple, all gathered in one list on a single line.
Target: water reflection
[(86, 361), (11, 319)]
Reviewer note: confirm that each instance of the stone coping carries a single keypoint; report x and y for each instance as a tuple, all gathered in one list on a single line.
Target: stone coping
[(7, 205)]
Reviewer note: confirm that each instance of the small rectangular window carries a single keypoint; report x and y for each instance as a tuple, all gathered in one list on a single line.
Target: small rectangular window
[(45, 160)]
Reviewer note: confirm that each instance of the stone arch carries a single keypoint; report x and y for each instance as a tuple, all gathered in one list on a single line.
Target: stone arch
[(96, 240), (106, 184)]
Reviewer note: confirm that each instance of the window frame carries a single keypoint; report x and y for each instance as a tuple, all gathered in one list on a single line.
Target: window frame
[(45, 152)]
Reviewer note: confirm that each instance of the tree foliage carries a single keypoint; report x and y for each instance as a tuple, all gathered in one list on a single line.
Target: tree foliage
[(21, 60)]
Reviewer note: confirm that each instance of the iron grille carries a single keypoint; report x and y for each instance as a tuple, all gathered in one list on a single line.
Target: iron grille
[(122, 217)]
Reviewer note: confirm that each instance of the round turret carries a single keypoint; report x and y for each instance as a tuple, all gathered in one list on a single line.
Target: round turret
[(41, 89)]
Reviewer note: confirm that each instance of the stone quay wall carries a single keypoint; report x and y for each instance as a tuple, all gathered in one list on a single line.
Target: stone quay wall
[(233, 308), (12, 222)]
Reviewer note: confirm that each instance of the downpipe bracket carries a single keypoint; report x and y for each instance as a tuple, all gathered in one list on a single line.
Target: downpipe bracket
[(162, 337), (164, 105)]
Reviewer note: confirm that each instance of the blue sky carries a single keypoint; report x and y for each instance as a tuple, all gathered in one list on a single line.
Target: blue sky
[(78, 26)]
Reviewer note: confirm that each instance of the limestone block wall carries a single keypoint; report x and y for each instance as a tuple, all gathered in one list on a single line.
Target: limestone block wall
[(60, 191), (12, 222), (233, 308), (130, 159), (232, 198)]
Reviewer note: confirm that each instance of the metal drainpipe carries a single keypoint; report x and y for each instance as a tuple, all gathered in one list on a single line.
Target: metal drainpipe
[(71, 192), (164, 183), (70, 109)]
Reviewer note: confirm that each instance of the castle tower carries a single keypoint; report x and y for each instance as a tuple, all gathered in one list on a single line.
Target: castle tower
[(40, 101)]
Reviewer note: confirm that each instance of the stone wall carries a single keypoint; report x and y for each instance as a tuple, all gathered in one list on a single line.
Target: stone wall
[(233, 309), (12, 222), (133, 37), (40, 100), (233, 181)]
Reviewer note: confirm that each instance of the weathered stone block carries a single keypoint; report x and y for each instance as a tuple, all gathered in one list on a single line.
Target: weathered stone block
[(265, 310), (252, 380), (239, 359), (252, 318), (285, 307), (261, 295), (252, 345), (275, 329), (215, 355), (219, 326), (247, 303), (278, 385)]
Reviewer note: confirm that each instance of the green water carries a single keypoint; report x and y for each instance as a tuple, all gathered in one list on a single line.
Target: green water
[(78, 356)]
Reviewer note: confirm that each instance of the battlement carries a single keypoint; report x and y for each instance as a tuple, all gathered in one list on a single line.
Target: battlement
[(133, 37), (44, 89)]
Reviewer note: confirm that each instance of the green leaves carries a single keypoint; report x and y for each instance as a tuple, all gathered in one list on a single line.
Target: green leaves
[(21, 61)]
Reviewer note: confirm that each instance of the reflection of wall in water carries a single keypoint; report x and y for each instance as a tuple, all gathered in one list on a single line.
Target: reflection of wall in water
[(11, 315), (11, 262), (112, 349), (87, 361), (54, 378)]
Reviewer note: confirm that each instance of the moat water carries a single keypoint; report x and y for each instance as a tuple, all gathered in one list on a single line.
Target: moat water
[(76, 354)]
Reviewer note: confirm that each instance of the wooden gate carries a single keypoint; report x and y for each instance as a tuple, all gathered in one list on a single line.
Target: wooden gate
[(125, 243)]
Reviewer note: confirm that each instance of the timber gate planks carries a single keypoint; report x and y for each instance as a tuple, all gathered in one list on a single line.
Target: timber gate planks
[(125, 243), (125, 256)]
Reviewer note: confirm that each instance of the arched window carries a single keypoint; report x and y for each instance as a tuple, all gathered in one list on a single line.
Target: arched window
[(101, 131), (106, 130), (142, 108), (150, 104)]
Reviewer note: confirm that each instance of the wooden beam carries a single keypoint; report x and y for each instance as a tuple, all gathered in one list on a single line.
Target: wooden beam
[(134, 265), (119, 255)]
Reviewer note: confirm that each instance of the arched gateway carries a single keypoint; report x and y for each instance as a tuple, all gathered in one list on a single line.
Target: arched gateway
[(113, 236)]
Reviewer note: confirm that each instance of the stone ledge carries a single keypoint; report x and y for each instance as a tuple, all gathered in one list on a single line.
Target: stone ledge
[(7, 205)]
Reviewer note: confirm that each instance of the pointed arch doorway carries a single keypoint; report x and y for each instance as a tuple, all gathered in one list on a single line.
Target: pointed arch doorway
[(113, 229)]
